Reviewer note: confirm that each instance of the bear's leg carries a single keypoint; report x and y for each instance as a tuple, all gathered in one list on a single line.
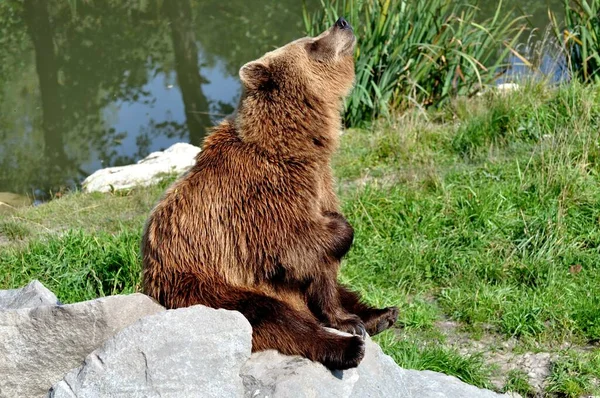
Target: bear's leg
[(376, 320), (275, 324), (324, 302)]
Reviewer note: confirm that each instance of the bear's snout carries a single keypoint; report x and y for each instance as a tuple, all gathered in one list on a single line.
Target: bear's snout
[(342, 24)]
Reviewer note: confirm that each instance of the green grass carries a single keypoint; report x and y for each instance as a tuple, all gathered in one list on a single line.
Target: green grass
[(81, 246), (517, 381), (491, 227), (485, 213), (576, 374), (77, 265), (413, 355), (13, 230)]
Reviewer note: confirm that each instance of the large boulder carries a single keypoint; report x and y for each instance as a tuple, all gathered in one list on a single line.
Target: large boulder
[(33, 295), (188, 352), (39, 345), (175, 160)]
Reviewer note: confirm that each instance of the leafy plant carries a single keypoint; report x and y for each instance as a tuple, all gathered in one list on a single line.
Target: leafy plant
[(418, 53)]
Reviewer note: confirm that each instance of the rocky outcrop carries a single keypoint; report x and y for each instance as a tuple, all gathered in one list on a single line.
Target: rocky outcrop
[(39, 345), (129, 346), (175, 160)]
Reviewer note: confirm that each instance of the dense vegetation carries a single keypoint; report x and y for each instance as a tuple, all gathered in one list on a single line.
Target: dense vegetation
[(417, 54), (580, 38)]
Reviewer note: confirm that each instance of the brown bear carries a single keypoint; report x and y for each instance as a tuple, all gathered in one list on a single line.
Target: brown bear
[(255, 225)]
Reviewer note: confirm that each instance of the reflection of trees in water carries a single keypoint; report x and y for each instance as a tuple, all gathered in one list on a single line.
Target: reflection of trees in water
[(38, 24), (144, 140), (183, 36), (103, 54), (535, 9), (39, 161), (238, 31), (106, 50), (90, 55)]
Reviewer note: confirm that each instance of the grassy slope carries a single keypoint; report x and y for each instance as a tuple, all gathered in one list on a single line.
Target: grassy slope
[(491, 219), (486, 214)]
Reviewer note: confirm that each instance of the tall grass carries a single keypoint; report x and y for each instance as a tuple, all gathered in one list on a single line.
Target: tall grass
[(580, 37), (419, 53)]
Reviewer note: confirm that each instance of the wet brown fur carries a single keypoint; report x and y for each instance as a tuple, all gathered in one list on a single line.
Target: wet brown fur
[(255, 225)]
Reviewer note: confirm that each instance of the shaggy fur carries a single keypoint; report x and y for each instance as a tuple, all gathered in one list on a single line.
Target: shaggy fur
[(255, 225)]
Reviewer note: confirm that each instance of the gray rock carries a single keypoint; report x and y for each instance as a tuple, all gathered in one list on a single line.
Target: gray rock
[(38, 346), (33, 295), (188, 352), (270, 374), (129, 346), (176, 159)]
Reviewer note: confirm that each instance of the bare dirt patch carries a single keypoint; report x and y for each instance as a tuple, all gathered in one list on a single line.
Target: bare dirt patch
[(503, 355)]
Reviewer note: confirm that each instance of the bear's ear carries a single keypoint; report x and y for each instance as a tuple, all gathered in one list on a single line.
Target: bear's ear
[(255, 75)]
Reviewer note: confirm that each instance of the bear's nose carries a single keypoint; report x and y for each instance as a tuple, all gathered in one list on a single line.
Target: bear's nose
[(342, 23)]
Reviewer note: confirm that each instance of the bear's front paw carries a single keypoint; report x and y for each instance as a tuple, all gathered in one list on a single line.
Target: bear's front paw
[(352, 325), (345, 353)]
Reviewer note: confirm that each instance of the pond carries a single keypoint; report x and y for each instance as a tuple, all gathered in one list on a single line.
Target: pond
[(98, 83)]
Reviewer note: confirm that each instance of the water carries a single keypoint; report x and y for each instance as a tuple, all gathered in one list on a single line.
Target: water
[(97, 83)]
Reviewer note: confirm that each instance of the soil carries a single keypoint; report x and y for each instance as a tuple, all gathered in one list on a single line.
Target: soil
[(503, 355)]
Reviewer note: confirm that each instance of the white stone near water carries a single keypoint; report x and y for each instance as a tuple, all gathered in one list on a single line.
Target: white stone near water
[(129, 346), (507, 87), (175, 160)]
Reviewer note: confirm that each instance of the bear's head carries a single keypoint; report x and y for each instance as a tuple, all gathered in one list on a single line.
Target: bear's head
[(320, 67), (293, 95)]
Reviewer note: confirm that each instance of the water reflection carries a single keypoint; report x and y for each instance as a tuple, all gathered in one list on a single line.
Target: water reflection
[(190, 82), (42, 36), (96, 83), (90, 84), (535, 10)]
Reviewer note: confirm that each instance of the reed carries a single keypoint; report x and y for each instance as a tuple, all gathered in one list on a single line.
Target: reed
[(580, 37), (417, 53)]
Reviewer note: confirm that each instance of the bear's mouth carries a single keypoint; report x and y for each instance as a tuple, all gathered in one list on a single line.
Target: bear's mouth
[(348, 48)]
